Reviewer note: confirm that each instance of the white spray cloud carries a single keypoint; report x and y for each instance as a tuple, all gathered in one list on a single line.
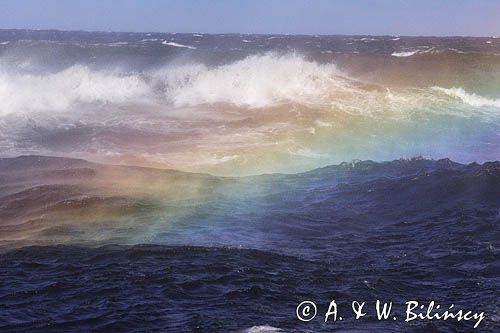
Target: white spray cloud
[(21, 92), (256, 81)]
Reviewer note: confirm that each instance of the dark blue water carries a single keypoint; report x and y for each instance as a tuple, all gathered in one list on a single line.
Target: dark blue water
[(405, 230)]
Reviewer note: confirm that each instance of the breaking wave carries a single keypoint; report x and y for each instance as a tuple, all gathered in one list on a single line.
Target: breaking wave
[(257, 81), (471, 99), (404, 53), (58, 91), (178, 45)]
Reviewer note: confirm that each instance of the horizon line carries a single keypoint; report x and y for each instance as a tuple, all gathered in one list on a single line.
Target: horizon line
[(246, 33)]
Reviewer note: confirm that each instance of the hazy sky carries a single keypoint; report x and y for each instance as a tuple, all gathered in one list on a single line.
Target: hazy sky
[(377, 17)]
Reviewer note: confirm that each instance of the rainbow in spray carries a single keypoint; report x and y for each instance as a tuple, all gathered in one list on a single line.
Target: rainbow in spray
[(222, 105), (175, 182)]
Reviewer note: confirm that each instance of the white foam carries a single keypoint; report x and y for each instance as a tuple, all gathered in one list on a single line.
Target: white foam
[(4, 43), (456, 50), (432, 50), (256, 81), (263, 329), (58, 91), (404, 54), (178, 45), (471, 99)]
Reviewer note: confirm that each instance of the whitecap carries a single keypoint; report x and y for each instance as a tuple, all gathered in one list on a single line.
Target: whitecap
[(263, 329), (471, 99), (58, 91), (178, 45), (247, 82), (456, 50), (404, 53)]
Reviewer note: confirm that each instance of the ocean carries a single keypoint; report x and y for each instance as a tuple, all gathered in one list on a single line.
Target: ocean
[(195, 182)]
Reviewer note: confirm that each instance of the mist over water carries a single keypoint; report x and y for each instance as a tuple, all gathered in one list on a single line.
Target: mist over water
[(219, 103)]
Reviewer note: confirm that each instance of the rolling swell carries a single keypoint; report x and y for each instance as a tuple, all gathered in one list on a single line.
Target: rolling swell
[(395, 231)]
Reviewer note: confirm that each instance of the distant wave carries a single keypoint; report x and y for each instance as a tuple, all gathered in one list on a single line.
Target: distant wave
[(471, 99), (431, 50), (178, 45), (404, 54)]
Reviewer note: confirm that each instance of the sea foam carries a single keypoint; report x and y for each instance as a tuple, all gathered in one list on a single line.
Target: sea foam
[(471, 99), (58, 91), (404, 54), (178, 45), (255, 82)]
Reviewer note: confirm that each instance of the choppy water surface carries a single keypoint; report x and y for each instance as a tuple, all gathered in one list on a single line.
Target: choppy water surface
[(395, 231), (167, 221), (247, 104)]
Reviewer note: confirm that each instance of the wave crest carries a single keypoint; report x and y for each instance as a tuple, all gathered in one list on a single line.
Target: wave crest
[(58, 91), (471, 99), (256, 81)]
